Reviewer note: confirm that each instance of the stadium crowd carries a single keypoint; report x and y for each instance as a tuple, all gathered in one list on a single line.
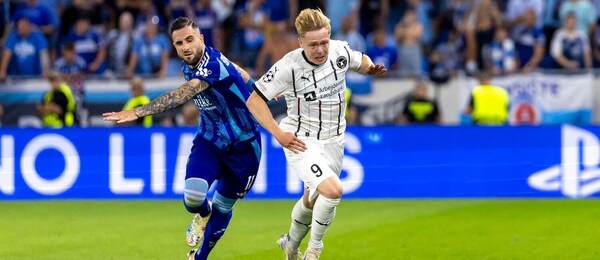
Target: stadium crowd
[(434, 39)]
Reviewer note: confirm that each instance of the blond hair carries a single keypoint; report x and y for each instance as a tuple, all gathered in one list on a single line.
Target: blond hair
[(311, 20)]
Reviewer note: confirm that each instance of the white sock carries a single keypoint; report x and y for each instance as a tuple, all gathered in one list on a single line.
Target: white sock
[(323, 214), (301, 219)]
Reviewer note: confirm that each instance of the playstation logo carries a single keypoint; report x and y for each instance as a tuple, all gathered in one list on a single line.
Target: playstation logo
[(578, 175)]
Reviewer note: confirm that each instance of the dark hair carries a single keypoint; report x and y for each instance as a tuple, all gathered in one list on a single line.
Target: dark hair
[(181, 22), (68, 46)]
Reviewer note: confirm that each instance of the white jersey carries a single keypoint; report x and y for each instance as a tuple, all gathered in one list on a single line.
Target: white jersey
[(314, 93)]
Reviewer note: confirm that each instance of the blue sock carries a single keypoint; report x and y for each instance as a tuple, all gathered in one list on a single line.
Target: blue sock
[(215, 228), (203, 209)]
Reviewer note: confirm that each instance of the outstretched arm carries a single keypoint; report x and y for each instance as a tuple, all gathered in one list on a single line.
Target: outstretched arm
[(368, 68), (259, 109), (163, 103)]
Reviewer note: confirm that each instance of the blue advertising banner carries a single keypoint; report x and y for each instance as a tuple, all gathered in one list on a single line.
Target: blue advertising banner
[(381, 162)]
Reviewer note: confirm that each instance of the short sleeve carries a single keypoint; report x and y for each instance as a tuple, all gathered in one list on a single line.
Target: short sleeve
[(166, 45), (275, 81), (137, 46), (11, 41), (355, 57), (41, 42)]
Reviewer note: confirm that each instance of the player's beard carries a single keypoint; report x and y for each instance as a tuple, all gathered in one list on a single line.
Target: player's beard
[(196, 58)]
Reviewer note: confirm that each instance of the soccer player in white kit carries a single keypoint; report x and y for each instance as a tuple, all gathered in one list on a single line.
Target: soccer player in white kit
[(312, 80)]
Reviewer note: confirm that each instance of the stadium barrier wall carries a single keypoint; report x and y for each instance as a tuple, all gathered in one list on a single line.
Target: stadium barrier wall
[(380, 162)]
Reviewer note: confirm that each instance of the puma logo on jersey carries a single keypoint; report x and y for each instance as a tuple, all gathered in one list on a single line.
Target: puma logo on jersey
[(304, 77)]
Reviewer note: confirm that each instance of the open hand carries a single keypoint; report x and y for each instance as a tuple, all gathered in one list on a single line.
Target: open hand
[(120, 117), (377, 70), (291, 142)]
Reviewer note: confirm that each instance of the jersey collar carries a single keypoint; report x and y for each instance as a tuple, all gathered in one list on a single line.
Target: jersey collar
[(307, 61)]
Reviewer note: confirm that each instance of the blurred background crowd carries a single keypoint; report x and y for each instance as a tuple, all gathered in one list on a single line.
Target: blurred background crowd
[(421, 39)]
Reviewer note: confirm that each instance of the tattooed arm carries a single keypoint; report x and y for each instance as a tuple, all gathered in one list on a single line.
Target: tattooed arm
[(163, 103)]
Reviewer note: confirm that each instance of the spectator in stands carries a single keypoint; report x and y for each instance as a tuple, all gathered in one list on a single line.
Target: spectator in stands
[(89, 45), (584, 12), (381, 52), (120, 45), (296, 6), (596, 47), (150, 54), (96, 11), (146, 11), (488, 104), (40, 16), (570, 47), (58, 107), (500, 55), (422, 10), (4, 24), (189, 115), (278, 42), (349, 33), (252, 21), (517, 9), (179, 8), (1, 114), (408, 35), (206, 19), (43, 18), (25, 52), (72, 68), (138, 98), (337, 13), (372, 15), (530, 42), (419, 108), (447, 58), (551, 19), (480, 26)]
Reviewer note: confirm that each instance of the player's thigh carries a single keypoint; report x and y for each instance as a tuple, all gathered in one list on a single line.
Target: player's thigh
[(203, 161), (311, 166), (334, 153), (239, 169)]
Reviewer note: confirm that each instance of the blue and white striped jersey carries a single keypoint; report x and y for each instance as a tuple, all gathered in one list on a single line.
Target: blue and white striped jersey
[(224, 117)]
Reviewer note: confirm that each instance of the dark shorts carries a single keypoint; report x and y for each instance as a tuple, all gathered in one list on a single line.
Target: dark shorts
[(235, 167)]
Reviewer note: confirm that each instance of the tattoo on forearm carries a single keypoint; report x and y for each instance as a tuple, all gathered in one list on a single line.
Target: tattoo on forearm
[(172, 99)]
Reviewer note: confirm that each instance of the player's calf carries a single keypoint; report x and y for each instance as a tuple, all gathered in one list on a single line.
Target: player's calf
[(217, 224)]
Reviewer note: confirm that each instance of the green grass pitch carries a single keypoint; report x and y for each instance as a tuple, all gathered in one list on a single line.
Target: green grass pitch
[(363, 229)]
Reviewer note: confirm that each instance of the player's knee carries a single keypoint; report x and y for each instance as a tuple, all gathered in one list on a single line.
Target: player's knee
[(222, 203), (334, 193), (194, 192), (332, 190)]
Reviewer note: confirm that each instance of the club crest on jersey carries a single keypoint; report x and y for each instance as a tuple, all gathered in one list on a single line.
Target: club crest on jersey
[(341, 62), (310, 96), (270, 75)]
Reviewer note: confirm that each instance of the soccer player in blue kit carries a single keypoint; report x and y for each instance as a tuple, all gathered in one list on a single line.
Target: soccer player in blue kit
[(227, 145)]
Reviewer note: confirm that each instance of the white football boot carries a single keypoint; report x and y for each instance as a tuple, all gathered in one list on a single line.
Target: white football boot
[(290, 254), (195, 231)]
